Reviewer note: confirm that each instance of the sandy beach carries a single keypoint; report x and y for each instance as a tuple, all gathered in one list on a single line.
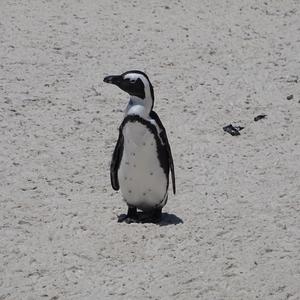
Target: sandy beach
[(232, 231)]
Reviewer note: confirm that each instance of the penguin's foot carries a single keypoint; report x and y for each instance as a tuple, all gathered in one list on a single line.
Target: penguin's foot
[(131, 217), (156, 215), (153, 216)]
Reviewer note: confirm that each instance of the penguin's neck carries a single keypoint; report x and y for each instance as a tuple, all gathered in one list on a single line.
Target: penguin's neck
[(140, 107)]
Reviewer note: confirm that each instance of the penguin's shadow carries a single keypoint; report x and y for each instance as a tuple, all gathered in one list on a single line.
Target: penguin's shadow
[(169, 219), (166, 219)]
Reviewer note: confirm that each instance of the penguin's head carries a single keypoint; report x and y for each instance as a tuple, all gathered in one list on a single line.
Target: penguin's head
[(135, 83)]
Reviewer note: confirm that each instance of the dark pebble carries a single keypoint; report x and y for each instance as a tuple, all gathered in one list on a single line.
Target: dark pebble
[(233, 130), (290, 97), (259, 117)]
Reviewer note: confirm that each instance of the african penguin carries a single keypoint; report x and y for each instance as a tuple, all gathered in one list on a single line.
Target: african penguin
[(142, 157)]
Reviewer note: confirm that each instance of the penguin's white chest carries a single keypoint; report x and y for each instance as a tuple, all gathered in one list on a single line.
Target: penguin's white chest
[(142, 180)]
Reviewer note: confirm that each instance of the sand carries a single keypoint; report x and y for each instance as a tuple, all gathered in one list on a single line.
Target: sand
[(232, 231)]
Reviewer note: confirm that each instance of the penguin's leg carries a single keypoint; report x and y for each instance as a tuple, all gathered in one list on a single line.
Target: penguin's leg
[(131, 217), (153, 216), (156, 215)]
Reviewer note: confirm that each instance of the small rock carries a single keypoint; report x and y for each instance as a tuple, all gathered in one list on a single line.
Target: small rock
[(259, 117), (290, 97), (233, 130)]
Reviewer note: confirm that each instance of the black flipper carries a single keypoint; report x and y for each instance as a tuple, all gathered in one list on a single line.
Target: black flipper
[(115, 162), (163, 136)]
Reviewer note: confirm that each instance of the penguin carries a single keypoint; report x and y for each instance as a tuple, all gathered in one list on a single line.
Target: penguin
[(142, 158)]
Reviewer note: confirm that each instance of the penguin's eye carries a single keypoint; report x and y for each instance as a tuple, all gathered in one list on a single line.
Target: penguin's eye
[(129, 80)]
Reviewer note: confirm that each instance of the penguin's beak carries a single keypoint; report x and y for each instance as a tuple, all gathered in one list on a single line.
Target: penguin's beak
[(119, 81), (113, 79)]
